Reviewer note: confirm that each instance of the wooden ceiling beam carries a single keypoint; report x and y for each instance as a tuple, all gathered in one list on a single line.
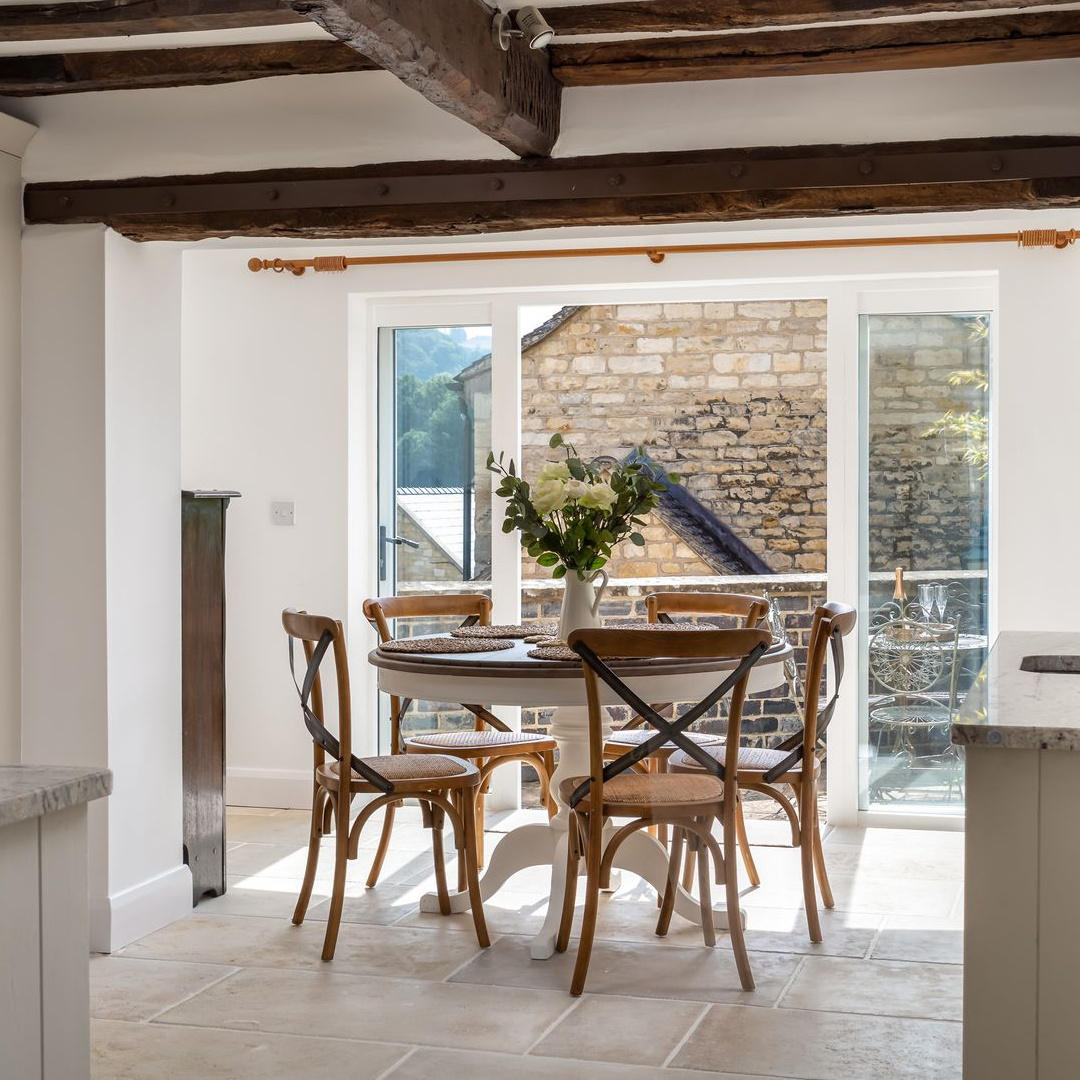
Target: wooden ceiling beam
[(821, 51), (452, 197), (111, 18), (667, 16), (445, 52), (72, 73)]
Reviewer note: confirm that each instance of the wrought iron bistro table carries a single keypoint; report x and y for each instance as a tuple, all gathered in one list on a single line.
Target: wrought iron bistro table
[(512, 677)]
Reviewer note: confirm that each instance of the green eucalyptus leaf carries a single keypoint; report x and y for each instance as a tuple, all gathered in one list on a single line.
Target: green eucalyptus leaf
[(559, 572), (555, 440), (637, 539)]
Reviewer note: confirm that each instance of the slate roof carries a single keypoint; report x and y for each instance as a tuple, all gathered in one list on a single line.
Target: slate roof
[(437, 513)]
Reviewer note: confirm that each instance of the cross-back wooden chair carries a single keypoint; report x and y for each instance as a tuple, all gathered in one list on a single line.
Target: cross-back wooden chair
[(445, 786), (739, 608), (491, 743), (795, 762), (614, 789)]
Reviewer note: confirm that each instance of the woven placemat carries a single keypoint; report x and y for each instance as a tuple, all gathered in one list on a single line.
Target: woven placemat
[(542, 639), (553, 652), (444, 645), (659, 626), (512, 630)]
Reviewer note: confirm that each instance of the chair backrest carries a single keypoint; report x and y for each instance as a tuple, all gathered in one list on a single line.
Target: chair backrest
[(832, 622), (321, 635), (597, 646), (379, 610), (750, 609)]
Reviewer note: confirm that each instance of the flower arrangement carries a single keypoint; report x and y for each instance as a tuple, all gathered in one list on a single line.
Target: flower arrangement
[(576, 513)]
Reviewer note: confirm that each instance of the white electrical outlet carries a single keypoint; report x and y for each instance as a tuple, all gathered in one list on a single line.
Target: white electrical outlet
[(283, 513)]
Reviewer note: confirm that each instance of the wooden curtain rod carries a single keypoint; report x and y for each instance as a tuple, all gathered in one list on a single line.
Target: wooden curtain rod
[(1025, 238)]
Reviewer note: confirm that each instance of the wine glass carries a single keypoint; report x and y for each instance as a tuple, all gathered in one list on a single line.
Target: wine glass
[(926, 601), (941, 599)]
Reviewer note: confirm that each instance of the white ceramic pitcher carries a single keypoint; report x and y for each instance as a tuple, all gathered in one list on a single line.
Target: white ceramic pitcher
[(581, 601)]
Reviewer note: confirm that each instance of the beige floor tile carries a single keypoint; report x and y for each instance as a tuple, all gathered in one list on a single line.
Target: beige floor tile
[(163, 1052), (626, 1030), (327, 1004), (654, 971), (244, 941), (822, 1046), (383, 905), (124, 989), (285, 827), (441, 1064), (933, 941), (273, 898), (878, 987)]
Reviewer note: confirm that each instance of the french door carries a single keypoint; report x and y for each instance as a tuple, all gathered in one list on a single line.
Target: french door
[(925, 372), (433, 526)]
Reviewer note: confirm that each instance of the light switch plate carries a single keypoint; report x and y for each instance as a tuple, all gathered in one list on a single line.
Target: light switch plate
[(283, 513)]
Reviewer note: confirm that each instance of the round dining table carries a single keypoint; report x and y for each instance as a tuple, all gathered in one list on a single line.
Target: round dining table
[(512, 677)]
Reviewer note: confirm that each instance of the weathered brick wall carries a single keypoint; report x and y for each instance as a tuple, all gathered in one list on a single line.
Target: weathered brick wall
[(926, 504), (766, 717), (425, 563), (729, 395)]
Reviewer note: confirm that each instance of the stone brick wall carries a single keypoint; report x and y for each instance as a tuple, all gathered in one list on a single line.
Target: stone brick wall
[(428, 562), (729, 395), (927, 505)]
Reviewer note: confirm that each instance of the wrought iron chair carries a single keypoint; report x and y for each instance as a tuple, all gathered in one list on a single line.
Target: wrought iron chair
[(490, 744), (689, 805), (795, 762), (445, 786)]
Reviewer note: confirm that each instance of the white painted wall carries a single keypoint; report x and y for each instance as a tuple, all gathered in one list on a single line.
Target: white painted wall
[(265, 351), (355, 118), (14, 135), (101, 566)]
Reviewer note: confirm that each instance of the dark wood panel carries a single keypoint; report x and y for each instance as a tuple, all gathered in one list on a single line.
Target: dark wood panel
[(113, 18), (822, 51), (70, 73), (203, 659), (664, 16), (445, 52)]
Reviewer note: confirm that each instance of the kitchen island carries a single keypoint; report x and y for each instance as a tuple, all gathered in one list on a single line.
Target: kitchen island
[(44, 932), (1021, 731)]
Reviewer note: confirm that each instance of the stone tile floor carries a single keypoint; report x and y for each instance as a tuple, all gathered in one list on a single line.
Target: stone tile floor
[(235, 991)]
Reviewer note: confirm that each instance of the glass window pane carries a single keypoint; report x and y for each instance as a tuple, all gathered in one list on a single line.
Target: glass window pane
[(925, 527)]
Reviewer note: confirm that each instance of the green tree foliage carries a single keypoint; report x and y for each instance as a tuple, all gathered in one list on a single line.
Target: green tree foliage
[(426, 351)]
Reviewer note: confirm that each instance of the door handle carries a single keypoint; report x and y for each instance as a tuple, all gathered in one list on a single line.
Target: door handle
[(384, 539)]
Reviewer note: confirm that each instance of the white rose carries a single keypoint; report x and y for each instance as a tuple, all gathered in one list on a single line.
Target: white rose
[(553, 470), (575, 488), (600, 496), (549, 496)]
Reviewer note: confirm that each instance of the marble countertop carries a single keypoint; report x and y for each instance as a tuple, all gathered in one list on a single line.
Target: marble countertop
[(29, 791), (1022, 710)]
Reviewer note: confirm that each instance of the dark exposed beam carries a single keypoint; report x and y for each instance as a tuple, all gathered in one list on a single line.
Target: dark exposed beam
[(666, 16), (444, 198), (124, 18), (444, 50), (70, 73), (822, 51)]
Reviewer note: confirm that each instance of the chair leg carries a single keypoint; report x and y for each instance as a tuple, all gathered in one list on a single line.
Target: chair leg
[(384, 845), (688, 869), (667, 901), (708, 929), (468, 857), (549, 768), (573, 859), (341, 862), (731, 895), (318, 799), (806, 853), (744, 847), (819, 857), (593, 856), (478, 829), (433, 819)]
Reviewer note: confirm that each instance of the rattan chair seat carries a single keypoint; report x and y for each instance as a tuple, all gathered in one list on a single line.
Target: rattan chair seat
[(655, 790), (752, 759), (427, 769), (461, 741), (636, 736)]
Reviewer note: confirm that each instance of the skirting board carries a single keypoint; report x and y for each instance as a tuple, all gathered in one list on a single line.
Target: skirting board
[(124, 917), (290, 789)]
